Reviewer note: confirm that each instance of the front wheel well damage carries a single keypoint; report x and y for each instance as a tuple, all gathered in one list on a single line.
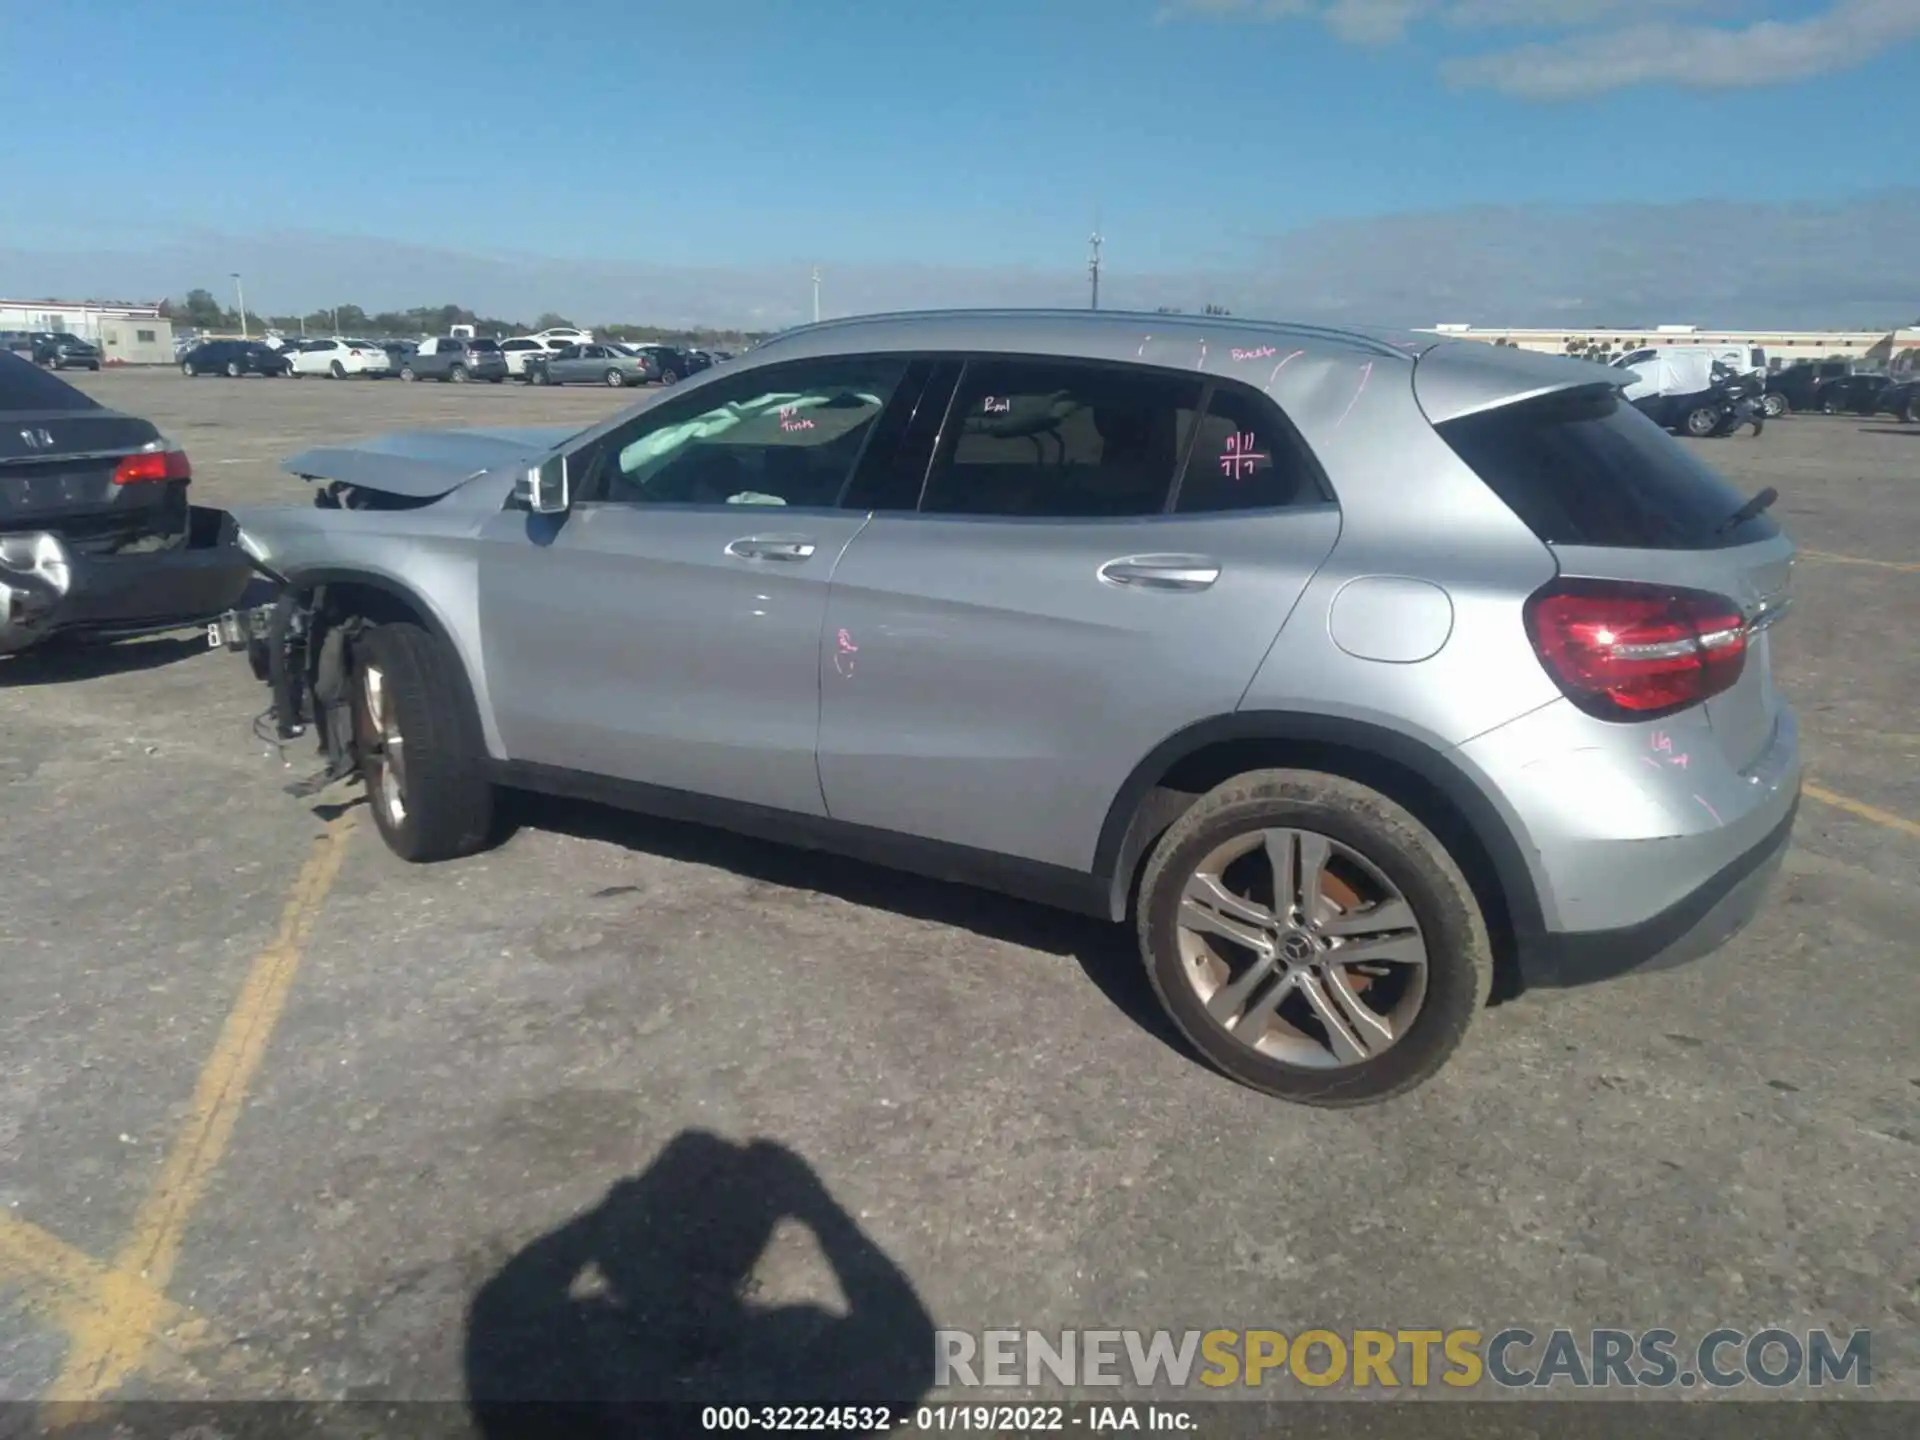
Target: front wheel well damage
[(311, 660), (1192, 774)]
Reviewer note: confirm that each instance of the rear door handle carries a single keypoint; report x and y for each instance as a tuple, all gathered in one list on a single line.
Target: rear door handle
[(1162, 572), (789, 548)]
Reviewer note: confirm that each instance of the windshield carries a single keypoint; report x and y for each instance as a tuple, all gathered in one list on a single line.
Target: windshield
[(25, 387)]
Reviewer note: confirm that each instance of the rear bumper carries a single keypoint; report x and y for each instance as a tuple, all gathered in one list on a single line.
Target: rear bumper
[(1694, 927), (126, 594)]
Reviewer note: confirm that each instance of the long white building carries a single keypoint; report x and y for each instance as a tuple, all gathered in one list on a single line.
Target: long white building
[(129, 334), (1897, 348)]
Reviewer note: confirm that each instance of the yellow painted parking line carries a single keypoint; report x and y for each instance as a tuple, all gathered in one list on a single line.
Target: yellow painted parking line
[(109, 1341), (1829, 556), (58, 1279), (1865, 811)]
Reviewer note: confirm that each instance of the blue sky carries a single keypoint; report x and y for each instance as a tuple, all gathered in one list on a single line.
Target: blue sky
[(744, 137)]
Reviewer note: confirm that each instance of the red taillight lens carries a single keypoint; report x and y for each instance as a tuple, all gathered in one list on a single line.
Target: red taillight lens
[(1627, 651), (153, 465)]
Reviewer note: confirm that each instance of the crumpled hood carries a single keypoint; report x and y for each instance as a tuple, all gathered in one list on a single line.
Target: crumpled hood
[(424, 464)]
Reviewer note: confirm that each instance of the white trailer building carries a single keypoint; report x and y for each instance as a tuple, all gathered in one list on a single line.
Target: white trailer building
[(128, 334)]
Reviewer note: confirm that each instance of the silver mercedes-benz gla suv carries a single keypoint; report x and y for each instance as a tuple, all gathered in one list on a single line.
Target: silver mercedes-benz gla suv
[(1360, 673)]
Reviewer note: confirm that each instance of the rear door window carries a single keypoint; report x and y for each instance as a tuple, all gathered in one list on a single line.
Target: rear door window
[(1581, 468), (1056, 439)]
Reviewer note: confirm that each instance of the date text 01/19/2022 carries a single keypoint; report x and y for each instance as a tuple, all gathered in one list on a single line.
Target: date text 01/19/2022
[(964, 1418)]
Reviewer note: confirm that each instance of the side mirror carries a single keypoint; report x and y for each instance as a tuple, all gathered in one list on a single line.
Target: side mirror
[(546, 487)]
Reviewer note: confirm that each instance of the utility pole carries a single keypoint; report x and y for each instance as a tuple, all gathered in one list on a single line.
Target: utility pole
[(816, 294), (1093, 266), (241, 296)]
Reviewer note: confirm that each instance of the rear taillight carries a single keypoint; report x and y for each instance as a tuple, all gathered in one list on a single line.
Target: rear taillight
[(1621, 650), (153, 465)]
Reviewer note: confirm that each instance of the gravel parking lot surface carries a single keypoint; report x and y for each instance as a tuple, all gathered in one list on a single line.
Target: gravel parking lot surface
[(281, 1115)]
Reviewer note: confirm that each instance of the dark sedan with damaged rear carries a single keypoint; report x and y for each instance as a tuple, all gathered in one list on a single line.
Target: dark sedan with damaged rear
[(97, 537)]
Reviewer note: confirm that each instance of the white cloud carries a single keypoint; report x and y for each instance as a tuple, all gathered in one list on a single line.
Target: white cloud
[(1704, 57), (1595, 46), (1577, 265)]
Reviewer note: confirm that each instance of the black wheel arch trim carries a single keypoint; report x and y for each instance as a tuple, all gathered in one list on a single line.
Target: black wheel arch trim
[(1134, 820)]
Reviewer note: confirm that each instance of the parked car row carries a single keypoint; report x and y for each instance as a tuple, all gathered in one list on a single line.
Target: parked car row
[(1837, 387), (549, 358)]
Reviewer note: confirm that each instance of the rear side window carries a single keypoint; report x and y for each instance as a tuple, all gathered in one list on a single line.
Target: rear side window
[(1582, 468), (1061, 440), (1247, 458), (483, 345), (25, 386)]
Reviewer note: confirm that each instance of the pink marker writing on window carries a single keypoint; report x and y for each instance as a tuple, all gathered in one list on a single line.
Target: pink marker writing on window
[(1239, 459), (843, 652), (1260, 354), (790, 419)]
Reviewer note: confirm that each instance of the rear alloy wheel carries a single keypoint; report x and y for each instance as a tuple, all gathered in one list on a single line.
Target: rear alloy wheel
[(1312, 939), (1830, 405), (186, 369), (668, 377), (616, 378), (406, 373), (234, 370), (419, 748), (1702, 421), (536, 376), (1775, 405), (458, 374)]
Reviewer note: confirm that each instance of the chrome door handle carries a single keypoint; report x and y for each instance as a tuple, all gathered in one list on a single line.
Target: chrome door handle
[(1162, 572), (771, 547)]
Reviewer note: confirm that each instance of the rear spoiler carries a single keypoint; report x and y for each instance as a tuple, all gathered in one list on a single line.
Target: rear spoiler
[(1463, 377)]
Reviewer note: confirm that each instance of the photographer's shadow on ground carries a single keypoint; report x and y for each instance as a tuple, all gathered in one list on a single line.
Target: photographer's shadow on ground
[(650, 1297)]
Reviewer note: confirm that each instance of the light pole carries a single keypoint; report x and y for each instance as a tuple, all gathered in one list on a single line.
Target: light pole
[(1093, 268), (241, 296), (816, 294)]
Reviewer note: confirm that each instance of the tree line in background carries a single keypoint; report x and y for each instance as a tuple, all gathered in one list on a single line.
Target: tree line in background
[(201, 311)]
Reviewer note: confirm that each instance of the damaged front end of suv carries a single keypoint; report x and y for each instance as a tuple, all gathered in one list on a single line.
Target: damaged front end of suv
[(390, 536)]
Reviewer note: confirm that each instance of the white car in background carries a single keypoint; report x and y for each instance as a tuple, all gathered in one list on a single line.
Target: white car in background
[(522, 348), (561, 335), (338, 358)]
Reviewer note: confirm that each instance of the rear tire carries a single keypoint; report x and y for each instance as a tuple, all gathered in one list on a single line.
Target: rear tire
[(1776, 405), (616, 379), (1701, 421), (436, 802), (337, 371), (458, 374), (1435, 906), (668, 377), (234, 372), (407, 374), (186, 369)]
